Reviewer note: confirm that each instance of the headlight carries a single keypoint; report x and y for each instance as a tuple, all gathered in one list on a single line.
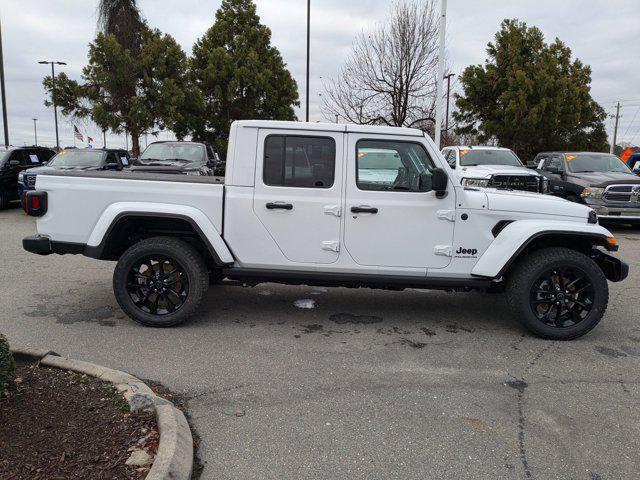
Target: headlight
[(475, 182), (592, 192), (21, 176)]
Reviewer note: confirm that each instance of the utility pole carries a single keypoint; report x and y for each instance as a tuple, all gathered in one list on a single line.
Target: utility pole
[(308, 52), (446, 121), (4, 94), (35, 131), (615, 130), (53, 96), (104, 138), (443, 25)]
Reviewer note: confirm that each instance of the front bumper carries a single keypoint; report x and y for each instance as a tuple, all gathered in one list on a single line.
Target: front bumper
[(614, 213), (613, 268), (42, 245)]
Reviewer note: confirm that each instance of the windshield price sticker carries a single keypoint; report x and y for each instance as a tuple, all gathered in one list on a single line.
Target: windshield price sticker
[(34, 158)]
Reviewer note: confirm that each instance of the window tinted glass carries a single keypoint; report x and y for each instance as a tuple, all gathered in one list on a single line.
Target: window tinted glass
[(389, 165), (16, 155), (299, 161), (77, 158), (45, 155), (173, 152), (595, 162), (111, 158), (554, 162), (469, 158)]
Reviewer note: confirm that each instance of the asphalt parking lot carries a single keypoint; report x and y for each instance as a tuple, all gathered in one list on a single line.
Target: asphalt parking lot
[(365, 385)]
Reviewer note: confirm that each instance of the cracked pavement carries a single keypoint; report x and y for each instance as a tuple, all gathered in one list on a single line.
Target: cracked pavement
[(365, 385)]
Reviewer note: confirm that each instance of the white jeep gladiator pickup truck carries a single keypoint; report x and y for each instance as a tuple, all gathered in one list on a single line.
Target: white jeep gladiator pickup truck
[(315, 204)]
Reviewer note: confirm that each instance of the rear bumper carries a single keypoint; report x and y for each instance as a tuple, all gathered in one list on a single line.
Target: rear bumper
[(42, 245)]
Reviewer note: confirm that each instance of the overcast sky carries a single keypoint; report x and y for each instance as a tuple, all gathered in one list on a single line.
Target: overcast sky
[(603, 34)]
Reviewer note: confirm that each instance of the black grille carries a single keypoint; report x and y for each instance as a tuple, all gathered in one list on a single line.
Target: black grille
[(620, 193), (527, 183), (31, 181)]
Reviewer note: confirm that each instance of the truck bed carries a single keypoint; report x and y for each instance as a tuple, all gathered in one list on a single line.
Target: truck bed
[(83, 204)]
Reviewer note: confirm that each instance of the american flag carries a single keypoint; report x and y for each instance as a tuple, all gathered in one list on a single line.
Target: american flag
[(77, 134)]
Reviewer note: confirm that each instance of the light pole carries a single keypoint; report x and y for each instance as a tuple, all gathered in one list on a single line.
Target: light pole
[(53, 94), (446, 120), (4, 95), (35, 131), (443, 25), (308, 52)]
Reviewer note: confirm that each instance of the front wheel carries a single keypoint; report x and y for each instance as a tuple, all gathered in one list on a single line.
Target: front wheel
[(558, 293), (160, 281)]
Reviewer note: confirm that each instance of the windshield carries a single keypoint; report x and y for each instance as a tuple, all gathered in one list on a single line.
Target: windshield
[(173, 152), (595, 162), (77, 158), (472, 158)]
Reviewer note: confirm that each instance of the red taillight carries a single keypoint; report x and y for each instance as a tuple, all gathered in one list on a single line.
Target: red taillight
[(35, 204)]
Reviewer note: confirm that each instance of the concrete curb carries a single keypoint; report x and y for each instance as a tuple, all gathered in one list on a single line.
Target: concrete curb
[(174, 458)]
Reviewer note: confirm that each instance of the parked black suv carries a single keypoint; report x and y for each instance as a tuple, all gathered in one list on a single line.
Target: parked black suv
[(599, 180), (13, 161), (186, 158)]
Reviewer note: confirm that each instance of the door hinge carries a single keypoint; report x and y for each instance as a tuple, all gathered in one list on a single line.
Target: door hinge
[(331, 246), (446, 215), (443, 250), (332, 210)]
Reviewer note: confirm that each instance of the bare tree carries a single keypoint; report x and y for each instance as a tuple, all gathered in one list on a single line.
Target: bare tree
[(390, 76)]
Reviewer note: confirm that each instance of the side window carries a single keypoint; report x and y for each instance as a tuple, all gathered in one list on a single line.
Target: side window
[(16, 155), (451, 158), (292, 161), (385, 165), (111, 159), (30, 158), (44, 155), (554, 162)]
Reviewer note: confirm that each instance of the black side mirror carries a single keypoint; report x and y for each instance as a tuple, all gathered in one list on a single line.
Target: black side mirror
[(554, 170), (439, 182), (14, 163)]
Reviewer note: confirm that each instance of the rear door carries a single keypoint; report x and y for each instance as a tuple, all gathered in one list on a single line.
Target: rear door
[(298, 192)]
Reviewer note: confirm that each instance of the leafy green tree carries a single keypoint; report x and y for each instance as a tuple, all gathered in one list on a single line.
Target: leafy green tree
[(530, 96), (124, 91), (239, 74), (122, 19)]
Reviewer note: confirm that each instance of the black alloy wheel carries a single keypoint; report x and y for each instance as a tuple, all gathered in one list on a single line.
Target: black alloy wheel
[(160, 281), (562, 297), (158, 285), (557, 293)]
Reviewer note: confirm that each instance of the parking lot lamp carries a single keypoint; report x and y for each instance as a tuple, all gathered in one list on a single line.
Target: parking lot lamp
[(53, 94), (4, 95)]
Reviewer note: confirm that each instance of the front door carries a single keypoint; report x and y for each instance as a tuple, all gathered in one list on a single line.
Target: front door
[(390, 220), (298, 192)]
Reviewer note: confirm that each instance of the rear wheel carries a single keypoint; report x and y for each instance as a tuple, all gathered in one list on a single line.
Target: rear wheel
[(160, 282), (558, 293)]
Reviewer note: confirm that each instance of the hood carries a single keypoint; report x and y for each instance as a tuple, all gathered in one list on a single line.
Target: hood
[(604, 179), (486, 171), (535, 203)]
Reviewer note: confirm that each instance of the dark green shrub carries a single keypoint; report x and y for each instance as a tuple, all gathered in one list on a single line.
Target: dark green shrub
[(6, 362)]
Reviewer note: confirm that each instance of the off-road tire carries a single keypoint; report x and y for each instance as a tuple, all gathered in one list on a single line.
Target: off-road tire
[(529, 269), (193, 265)]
